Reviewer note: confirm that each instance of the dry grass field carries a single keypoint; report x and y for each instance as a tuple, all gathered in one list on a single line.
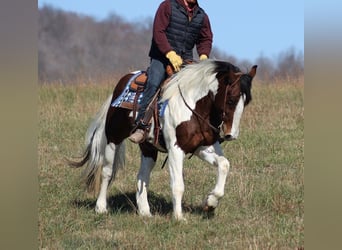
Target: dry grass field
[(263, 206)]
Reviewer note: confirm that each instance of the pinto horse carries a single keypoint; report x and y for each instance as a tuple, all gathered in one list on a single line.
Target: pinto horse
[(203, 104)]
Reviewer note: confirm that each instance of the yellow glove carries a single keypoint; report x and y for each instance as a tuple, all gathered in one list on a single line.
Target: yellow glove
[(203, 57), (175, 60)]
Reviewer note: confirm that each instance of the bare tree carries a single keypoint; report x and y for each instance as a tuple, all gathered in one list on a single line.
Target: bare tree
[(72, 45)]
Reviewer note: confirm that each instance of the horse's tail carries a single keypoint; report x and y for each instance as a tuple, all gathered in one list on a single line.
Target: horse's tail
[(94, 153)]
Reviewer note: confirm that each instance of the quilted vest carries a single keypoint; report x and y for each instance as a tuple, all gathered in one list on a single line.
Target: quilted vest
[(182, 33)]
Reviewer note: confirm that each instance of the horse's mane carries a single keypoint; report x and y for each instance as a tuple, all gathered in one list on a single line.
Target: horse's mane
[(194, 80), (246, 85)]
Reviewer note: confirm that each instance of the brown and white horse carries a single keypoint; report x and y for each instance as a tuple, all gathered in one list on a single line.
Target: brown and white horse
[(204, 103)]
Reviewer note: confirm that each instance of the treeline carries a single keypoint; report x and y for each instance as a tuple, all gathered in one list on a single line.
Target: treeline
[(72, 46)]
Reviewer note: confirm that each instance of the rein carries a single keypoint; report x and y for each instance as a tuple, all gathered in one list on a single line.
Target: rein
[(228, 87), (196, 113)]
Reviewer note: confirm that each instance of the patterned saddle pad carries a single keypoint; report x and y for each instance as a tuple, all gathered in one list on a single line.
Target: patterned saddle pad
[(128, 95)]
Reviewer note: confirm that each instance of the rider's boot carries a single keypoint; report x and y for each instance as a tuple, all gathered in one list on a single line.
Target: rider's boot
[(139, 134)]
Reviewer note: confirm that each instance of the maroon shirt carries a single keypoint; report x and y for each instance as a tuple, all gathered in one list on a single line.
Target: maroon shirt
[(161, 22)]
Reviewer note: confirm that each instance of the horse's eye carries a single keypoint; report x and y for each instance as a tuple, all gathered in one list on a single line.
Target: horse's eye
[(231, 102)]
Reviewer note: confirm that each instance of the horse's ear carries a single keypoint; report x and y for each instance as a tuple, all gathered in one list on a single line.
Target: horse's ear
[(252, 72)]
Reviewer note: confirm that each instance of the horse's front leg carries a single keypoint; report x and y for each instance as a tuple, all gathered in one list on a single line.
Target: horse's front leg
[(176, 157), (147, 164), (213, 155)]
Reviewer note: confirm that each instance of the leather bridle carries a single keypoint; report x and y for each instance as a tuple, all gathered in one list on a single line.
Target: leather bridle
[(228, 87)]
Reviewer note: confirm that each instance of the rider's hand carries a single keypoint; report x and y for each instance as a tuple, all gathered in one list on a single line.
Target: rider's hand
[(175, 60), (203, 57)]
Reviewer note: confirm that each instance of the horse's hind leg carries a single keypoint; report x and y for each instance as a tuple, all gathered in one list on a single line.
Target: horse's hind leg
[(213, 155), (147, 164), (107, 171)]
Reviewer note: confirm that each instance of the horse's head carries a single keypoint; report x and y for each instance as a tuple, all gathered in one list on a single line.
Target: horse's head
[(234, 93)]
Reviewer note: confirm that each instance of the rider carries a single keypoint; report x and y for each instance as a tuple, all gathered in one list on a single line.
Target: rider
[(178, 26)]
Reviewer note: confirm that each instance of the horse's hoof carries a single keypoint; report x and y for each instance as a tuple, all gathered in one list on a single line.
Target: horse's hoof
[(210, 203), (180, 217), (101, 210), (145, 214), (208, 209), (208, 212)]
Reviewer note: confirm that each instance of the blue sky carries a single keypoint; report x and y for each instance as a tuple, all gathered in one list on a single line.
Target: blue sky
[(244, 29)]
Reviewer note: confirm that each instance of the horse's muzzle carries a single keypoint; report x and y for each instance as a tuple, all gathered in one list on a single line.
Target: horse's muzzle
[(229, 137)]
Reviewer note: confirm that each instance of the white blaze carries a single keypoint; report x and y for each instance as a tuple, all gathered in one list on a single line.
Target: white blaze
[(237, 116)]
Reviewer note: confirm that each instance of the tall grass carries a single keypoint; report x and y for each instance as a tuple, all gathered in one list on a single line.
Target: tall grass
[(263, 206)]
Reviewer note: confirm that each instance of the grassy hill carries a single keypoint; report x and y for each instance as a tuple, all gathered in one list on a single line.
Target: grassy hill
[(263, 206)]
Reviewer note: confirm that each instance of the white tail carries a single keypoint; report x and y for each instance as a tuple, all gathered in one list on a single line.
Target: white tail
[(95, 154)]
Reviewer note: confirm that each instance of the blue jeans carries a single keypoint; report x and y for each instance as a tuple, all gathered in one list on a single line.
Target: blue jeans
[(156, 74)]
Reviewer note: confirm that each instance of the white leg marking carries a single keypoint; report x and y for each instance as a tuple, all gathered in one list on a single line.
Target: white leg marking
[(101, 203), (175, 154), (146, 167), (213, 155), (176, 157)]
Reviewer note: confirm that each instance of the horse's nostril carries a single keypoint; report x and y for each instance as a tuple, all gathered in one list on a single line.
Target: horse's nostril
[(228, 137)]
